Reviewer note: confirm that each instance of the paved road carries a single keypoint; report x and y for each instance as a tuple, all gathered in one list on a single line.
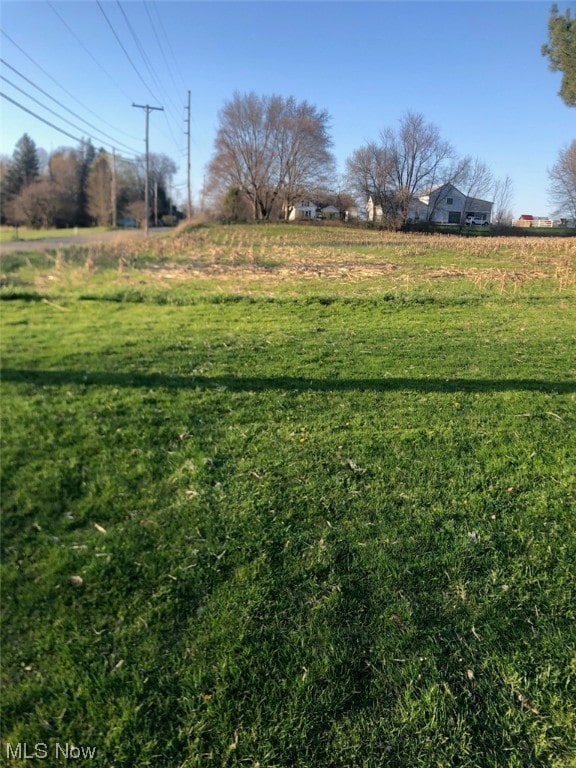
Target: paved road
[(44, 244)]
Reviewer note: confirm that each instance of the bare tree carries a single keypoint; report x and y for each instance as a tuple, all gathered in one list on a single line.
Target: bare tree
[(162, 170), (270, 148), (502, 193), (99, 189), (368, 175), (421, 159), (36, 205), (303, 143), (244, 149), (64, 172), (562, 175), (476, 181), (409, 160)]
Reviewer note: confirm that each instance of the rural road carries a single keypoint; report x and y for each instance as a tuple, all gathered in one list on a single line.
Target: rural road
[(44, 244)]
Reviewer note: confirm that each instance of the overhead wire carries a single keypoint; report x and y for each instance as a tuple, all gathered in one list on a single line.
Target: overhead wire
[(142, 53), (157, 28), (61, 130), (160, 25), (148, 65), (139, 46), (134, 67), (49, 76), (121, 44), (63, 106), (87, 50), (160, 46)]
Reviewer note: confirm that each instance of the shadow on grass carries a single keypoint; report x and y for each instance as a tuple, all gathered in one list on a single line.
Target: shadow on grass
[(288, 383)]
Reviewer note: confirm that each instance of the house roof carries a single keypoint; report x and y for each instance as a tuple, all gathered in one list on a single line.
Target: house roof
[(450, 186)]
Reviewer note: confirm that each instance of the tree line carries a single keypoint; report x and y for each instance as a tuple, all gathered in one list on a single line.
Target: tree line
[(80, 186), (270, 152)]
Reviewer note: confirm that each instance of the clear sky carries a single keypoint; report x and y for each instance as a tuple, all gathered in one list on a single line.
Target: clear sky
[(472, 68)]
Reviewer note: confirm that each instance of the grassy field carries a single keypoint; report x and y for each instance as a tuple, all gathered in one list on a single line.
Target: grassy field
[(290, 498)]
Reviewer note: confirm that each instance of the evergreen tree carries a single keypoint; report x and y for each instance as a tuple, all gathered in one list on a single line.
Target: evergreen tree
[(561, 52), (24, 168)]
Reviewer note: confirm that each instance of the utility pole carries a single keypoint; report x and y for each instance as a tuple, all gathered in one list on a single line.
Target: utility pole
[(155, 202), (147, 108), (188, 181), (114, 193)]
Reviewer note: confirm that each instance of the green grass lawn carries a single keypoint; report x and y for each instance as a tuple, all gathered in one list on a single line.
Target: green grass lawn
[(260, 511)]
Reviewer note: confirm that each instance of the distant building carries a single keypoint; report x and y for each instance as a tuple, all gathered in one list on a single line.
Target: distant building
[(312, 209), (444, 204), (528, 220)]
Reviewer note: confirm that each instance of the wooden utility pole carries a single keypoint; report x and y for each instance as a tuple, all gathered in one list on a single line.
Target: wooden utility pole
[(114, 193), (147, 109), (155, 202), (189, 211)]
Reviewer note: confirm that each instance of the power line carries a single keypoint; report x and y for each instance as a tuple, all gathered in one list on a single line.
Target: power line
[(40, 103), (140, 47), (49, 76), (120, 43), (45, 93), (142, 52), (161, 26), (129, 57), (148, 65), (43, 120), (153, 27), (94, 59), (80, 141)]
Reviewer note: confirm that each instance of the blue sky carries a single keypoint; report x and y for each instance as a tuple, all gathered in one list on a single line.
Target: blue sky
[(472, 68)]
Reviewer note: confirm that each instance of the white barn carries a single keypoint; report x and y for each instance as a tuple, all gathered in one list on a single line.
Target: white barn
[(444, 204)]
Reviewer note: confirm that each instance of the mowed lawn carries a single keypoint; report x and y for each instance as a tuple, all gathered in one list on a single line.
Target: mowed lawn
[(290, 498)]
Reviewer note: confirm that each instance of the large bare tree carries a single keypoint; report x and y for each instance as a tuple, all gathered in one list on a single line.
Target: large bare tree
[(563, 181), (421, 159), (306, 163), (368, 175), (272, 149), (411, 159), (475, 180)]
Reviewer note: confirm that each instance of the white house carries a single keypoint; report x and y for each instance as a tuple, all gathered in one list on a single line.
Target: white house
[(306, 209), (311, 209), (444, 204)]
